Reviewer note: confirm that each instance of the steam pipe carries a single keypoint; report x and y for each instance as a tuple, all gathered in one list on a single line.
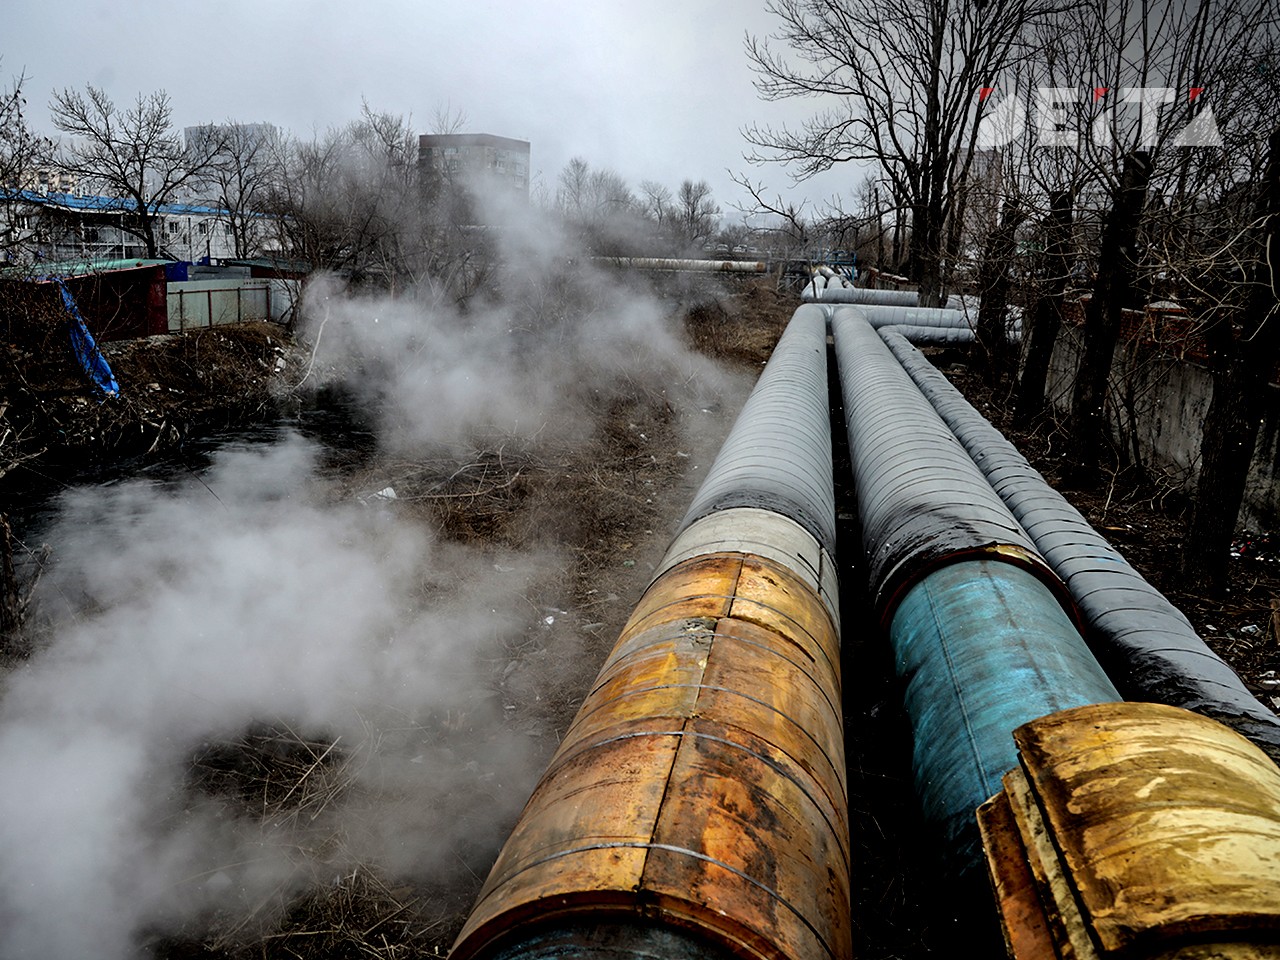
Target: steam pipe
[(697, 807), (663, 263), (868, 296), (1137, 830), (981, 629), (884, 315), (777, 459), (1148, 646), (923, 501)]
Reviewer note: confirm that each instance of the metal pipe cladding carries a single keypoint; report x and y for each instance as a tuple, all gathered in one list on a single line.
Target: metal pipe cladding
[(697, 806)]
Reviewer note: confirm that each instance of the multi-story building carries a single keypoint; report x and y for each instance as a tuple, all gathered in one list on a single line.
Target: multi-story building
[(242, 138), (474, 160), (47, 225)]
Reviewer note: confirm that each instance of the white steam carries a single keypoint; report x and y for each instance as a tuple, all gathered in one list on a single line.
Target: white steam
[(200, 618), (189, 614), (538, 349)]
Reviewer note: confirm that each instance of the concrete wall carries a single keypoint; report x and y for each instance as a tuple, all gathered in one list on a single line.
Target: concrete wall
[(1163, 402)]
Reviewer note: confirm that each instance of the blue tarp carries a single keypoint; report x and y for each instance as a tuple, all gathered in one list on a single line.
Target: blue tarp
[(85, 348)]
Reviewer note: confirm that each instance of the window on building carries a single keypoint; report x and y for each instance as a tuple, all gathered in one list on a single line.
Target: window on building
[(202, 228)]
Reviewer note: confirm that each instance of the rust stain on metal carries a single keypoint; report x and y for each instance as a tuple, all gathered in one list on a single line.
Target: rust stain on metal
[(703, 780), (702, 587), (1022, 920), (772, 596), (752, 844), (1169, 822), (1147, 831)]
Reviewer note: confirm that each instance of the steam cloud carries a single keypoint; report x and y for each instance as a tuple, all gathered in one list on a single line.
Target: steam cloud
[(189, 613)]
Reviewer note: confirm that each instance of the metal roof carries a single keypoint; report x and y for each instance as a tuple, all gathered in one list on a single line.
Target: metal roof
[(95, 204)]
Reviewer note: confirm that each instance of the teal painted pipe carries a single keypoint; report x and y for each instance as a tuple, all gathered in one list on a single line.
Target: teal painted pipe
[(983, 647)]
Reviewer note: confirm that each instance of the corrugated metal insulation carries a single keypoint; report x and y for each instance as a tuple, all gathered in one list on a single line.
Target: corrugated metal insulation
[(921, 499), (1146, 644), (835, 293), (777, 457)]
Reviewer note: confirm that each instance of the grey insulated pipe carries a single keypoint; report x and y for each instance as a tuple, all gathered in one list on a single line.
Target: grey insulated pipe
[(912, 322), (883, 315), (778, 455), (977, 622), (835, 293), (1148, 646), (921, 498)]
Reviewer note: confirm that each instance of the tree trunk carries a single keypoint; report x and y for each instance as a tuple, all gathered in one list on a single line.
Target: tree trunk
[(1117, 262), (926, 249), (993, 285), (898, 229), (1242, 367), (1046, 320), (10, 612)]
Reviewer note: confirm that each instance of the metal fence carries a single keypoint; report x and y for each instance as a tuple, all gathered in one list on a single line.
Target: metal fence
[(194, 304)]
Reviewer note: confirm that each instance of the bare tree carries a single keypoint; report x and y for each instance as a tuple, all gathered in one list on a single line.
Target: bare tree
[(696, 212), (19, 150), (134, 154), (19, 146), (1135, 144), (1046, 316), (1244, 362), (993, 287), (447, 119), (792, 222), (904, 77), (600, 209), (342, 200), (657, 204), (1112, 292), (240, 181)]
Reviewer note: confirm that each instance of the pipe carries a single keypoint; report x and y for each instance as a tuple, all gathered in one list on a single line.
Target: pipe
[(923, 501), (697, 807), (938, 336), (924, 325), (777, 458), (867, 296), (1148, 646), (1136, 830), (980, 627), (982, 647), (882, 315), (703, 266)]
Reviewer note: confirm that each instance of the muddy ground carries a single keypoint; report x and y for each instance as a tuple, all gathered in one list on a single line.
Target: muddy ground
[(611, 507)]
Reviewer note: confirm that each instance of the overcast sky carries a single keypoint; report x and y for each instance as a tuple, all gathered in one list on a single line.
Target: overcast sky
[(655, 89)]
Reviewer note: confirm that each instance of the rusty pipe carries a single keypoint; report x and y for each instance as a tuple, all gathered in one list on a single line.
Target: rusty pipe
[(665, 263), (697, 806)]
